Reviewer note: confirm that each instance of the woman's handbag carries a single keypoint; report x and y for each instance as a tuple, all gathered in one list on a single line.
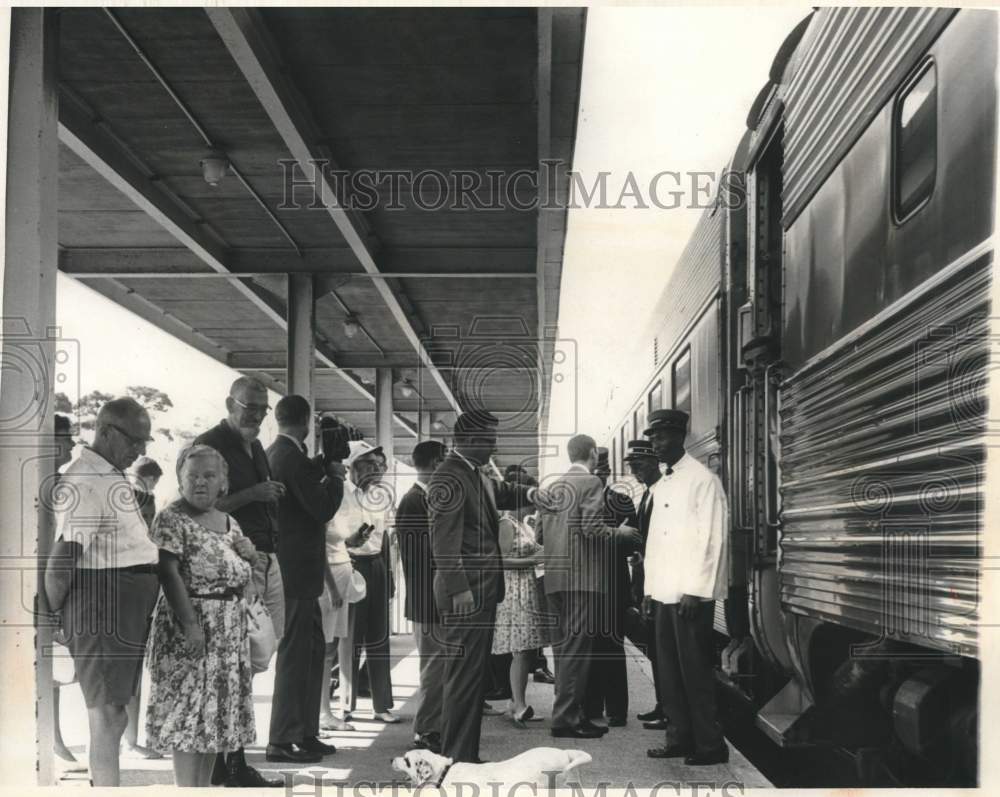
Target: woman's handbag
[(260, 630)]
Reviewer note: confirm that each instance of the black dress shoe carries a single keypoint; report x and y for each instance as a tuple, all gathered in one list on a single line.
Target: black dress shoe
[(249, 778), (617, 722), (649, 716), (428, 741), (543, 676), (670, 751), (579, 732), (289, 754), (498, 695), (313, 745), (656, 725), (720, 755), (590, 726)]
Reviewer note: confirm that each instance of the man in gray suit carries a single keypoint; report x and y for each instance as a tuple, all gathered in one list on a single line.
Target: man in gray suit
[(575, 545)]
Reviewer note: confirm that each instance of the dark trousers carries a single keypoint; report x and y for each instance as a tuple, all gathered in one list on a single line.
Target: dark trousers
[(607, 683), (469, 641), (371, 634), (651, 655), (498, 676), (684, 657), (298, 676), (572, 650)]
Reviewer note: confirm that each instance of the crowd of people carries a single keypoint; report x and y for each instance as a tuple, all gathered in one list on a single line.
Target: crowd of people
[(496, 570)]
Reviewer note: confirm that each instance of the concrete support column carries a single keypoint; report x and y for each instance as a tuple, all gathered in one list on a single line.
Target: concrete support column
[(383, 414), (28, 359), (301, 341)]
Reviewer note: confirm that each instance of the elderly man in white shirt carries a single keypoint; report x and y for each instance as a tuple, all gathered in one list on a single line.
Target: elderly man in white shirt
[(687, 570), (361, 523), (102, 577)]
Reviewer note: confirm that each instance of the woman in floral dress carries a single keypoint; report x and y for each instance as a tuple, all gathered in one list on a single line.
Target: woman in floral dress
[(518, 629), (200, 701)]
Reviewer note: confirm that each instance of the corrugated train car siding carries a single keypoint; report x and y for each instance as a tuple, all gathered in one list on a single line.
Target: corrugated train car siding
[(693, 281), (882, 456)]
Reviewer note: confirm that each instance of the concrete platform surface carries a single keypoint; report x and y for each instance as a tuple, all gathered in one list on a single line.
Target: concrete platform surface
[(363, 756)]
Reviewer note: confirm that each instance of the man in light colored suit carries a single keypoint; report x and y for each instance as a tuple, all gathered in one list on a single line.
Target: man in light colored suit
[(576, 547)]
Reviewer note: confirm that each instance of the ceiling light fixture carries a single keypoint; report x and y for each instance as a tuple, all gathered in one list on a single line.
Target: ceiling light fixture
[(214, 167), (407, 389), (351, 325)]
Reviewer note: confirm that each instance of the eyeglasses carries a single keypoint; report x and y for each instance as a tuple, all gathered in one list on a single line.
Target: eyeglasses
[(261, 409), (136, 441)]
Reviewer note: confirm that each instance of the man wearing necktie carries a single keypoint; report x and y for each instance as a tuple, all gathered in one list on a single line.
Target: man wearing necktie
[(645, 467), (468, 577), (311, 497), (687, 564)]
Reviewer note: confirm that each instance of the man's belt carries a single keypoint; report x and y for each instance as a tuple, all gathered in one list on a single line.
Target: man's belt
[(152, 569)]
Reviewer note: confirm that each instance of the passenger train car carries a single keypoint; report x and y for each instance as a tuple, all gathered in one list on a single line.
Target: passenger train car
[(829, 336)]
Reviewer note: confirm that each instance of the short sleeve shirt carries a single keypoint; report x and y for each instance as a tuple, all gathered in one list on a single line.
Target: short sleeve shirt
[(360, 507), (94, 506)]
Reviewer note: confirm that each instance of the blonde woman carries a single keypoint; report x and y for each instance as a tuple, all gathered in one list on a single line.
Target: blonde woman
[(200, 699)]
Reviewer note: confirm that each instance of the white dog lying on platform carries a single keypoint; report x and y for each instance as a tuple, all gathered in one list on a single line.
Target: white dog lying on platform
[(542, 766)]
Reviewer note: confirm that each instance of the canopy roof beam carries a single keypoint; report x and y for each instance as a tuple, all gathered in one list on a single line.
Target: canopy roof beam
[(248, 41)]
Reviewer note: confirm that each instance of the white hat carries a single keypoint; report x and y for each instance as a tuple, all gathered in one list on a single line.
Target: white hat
[(357, 588), (360, 448)]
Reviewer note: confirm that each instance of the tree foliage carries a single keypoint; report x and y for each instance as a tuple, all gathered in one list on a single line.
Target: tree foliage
[(89, 405), (151, 398)]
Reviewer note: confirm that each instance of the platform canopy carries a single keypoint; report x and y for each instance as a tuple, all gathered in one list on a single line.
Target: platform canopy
[(445, 308)]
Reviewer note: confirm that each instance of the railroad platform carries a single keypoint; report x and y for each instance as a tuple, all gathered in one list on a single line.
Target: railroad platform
[(363, 756)]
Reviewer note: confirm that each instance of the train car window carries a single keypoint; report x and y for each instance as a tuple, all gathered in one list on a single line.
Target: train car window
[(640, 419), (915, 142), (614, 458), (682, 381), (622, 445), (656, 396), (636, 429)]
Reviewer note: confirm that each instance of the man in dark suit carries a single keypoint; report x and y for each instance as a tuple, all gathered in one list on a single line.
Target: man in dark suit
[(607, 687), (468, 581), (575, 546), (645, 466), (413, 532), (311, 498)]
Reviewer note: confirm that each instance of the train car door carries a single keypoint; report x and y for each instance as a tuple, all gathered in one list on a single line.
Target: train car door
[(759, 337)]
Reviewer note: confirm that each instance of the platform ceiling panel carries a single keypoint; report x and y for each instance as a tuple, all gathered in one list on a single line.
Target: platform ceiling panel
[(385, 88)]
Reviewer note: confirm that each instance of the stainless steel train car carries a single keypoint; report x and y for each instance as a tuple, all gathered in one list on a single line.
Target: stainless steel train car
[(829, 336)]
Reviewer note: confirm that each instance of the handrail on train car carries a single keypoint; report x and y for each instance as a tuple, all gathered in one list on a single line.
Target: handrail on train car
[(738, 452), (770, 509)]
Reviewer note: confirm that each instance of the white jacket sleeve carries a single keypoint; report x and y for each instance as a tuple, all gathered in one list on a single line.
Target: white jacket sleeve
[(708, 574)]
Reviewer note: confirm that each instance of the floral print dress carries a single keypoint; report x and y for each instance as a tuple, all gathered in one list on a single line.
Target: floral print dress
[(201, 704), (519, 615)]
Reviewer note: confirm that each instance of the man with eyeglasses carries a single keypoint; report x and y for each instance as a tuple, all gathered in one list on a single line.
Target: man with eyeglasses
[(253, 500), (101, 577)]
